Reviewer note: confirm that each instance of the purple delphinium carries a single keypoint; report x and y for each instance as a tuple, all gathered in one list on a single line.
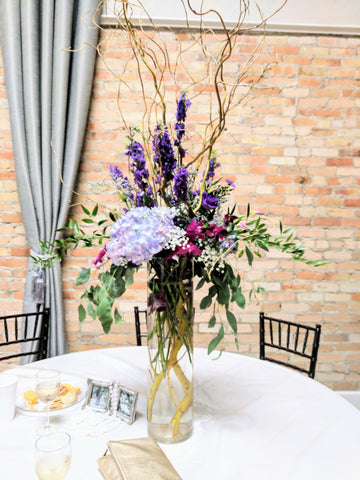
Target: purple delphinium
[(115, 172), (164, 152), (211, 172), (230, 182), (140, 173), (122, 182), (181, 184), (208, 201), (182, 107)]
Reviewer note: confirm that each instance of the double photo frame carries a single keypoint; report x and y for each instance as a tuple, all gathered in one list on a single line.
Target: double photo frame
[(111, 398)]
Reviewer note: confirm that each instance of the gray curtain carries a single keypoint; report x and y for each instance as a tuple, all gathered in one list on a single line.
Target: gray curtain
[(49, 91)]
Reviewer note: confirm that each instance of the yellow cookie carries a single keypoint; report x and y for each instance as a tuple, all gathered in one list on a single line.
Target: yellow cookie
[(31, 397), (69, 398)]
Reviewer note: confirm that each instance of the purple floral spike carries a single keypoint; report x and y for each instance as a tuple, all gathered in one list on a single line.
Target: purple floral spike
[(181, 184), (182, 107), (164, 153), (141, 174)]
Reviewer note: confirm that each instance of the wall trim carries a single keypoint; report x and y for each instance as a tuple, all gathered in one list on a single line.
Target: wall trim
[(324, 17)]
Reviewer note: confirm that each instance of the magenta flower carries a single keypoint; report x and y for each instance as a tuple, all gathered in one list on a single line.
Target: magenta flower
[(99, 259), (195, 230), (216, 231), (243, 225), (189, 251), (229, 218)]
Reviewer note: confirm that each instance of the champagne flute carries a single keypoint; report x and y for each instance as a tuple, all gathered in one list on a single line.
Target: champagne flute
[(47, 389), (53, 456)]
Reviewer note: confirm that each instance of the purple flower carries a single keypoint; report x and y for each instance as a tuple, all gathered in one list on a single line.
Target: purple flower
[(156, 302), (140, 173), (115, 172), (208, 201), (182, 107), (181, 184), (140, 234), (243, 225), (164, 152), (230, 182), (211, 172)]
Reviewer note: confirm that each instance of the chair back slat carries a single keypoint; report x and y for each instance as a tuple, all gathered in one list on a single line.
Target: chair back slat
[(279, 329), (31, 329), (299, 339), (6, 331), (288, 337), (139, 334), (296, 338), (305, 341), (271, 332)]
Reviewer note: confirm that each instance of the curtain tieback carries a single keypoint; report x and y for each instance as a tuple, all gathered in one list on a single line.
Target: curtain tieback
[(38, 280)]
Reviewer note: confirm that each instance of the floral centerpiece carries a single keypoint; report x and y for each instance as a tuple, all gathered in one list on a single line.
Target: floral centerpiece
[(176, 215), (177, 221)]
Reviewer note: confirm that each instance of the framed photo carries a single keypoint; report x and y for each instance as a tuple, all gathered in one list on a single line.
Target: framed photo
[(99, 395), (126, 405)]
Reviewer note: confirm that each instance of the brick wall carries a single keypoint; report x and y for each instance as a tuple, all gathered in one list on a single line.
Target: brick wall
[(293, 151)]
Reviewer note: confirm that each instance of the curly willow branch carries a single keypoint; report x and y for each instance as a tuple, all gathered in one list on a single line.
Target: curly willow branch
[(166, 68)]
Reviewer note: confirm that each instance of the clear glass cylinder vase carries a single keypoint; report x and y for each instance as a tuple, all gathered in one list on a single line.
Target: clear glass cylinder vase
[(170, 318)]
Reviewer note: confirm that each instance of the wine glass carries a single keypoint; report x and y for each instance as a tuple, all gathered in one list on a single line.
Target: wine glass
[(53, 456), (47, 389)]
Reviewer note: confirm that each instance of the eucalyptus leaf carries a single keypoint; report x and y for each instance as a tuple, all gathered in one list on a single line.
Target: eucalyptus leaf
[(216, 340), (83, 276), (103, 312), (129, 277), (206, 302), (81, 313), (200, 284), (249, 255), (117, 316), (232, 320), (91, 310), (212, 321)]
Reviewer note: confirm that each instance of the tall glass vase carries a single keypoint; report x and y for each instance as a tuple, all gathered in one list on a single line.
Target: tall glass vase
[(170, 345)]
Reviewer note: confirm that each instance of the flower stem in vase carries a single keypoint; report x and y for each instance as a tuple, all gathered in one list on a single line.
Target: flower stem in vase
[(170, 331)]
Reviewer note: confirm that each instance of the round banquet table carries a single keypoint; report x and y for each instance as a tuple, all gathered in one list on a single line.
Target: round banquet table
[(252, 420)]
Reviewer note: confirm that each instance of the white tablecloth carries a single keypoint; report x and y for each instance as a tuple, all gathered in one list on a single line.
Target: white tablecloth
[(253, 420)]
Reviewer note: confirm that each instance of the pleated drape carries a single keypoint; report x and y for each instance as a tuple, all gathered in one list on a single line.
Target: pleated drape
[(49, 53)]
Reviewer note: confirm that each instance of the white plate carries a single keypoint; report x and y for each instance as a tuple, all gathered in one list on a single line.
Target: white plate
[(39, 408)]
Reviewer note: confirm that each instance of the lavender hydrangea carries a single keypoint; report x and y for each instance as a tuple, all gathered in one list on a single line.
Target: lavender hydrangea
[(142, 233), (164, 152)]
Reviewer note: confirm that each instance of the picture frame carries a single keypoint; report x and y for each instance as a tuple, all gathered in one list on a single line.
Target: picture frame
[(125, 407), (99, 395)]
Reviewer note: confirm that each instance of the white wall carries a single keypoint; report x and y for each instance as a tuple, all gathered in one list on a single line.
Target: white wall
[(313, 16)]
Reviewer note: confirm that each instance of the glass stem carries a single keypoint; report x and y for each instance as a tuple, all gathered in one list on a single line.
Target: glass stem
[(47, 424)]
